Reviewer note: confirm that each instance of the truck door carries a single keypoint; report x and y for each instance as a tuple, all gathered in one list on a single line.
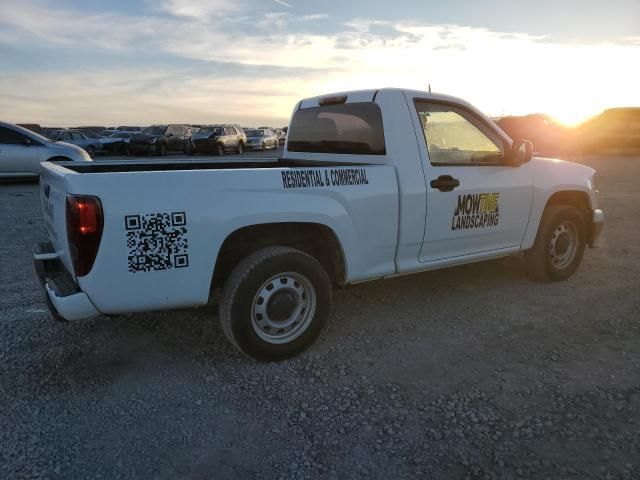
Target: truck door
[(476, 203)]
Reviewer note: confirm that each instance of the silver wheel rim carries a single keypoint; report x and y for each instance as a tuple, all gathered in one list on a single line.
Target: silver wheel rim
[(564, 244), (283, 308)]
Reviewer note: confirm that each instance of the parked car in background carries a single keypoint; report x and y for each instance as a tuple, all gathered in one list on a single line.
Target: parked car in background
[(117, 143), (160, 139), (616, 130), (77, 137), (124, 128), (261, 139), (91, 134), (22, 150), (34, 127), (547, 135), (282, 136), (218, 139), (93, 128), (46, 131)]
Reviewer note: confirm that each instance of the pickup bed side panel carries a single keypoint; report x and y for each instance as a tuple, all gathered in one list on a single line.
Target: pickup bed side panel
[(163, 230)]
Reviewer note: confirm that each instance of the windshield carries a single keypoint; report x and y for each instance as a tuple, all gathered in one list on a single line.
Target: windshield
[(122, 135), (33, 134), (154, 130), (210, 130), (90, 134), (254, 133)]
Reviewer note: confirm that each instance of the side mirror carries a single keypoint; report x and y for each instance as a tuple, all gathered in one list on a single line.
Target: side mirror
[(521, 151), (27, 142)]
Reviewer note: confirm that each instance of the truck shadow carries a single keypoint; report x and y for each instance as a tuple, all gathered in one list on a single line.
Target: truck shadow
[(126, 349)]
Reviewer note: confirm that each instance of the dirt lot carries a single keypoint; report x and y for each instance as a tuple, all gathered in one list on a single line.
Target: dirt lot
[(471, 372)]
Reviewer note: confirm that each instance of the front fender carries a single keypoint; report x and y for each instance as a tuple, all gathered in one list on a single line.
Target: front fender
[(551, 176)]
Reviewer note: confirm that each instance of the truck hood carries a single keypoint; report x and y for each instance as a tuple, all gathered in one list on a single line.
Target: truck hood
[(552, 165)]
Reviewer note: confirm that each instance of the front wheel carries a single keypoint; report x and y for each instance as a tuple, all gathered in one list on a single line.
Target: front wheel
[(220, 150), (240, 148), (91, 150), (162, 149), (275, 303), (559, 245)]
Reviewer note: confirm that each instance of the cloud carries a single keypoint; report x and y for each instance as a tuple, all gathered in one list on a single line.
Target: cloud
[(198, 9), (206, 61)]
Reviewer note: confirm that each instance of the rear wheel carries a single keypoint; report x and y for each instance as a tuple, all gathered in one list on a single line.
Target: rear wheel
[(91, 150), (275, 303), (240, 148), (220, 150), (559, 246), (264, 146), (161, 149)]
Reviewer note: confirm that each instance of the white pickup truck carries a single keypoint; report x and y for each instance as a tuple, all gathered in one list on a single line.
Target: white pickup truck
[(372, 184)]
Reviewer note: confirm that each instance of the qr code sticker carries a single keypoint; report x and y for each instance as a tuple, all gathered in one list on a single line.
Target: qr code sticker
[(157, 241)]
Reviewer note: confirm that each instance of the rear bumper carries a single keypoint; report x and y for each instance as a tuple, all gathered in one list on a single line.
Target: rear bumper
[(62, 295), (597, 225)]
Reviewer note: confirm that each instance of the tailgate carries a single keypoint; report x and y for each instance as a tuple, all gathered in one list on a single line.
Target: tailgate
[(53, 200)]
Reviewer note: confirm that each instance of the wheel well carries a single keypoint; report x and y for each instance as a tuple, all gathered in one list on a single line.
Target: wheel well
[(58, 159), (576, 198), (317, 240)]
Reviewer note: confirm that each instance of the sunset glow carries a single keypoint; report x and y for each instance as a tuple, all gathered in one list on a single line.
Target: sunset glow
[(165, 64)]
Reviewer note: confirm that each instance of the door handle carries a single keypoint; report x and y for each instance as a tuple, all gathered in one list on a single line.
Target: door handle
[(445, 183)]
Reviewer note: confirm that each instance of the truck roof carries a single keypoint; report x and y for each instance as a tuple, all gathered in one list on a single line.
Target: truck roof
[(355, 96)]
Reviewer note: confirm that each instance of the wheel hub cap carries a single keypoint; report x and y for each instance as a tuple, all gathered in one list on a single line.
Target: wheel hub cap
[(564, 244), (283, 308)]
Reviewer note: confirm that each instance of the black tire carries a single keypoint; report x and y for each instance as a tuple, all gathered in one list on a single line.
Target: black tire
[(161, 149), (542, 261), (240, 148), (264, 146), (241, 295), (220, 150), (58, 159), (91, 150)]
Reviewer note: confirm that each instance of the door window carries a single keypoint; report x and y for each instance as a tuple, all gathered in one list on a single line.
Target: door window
[(64, 136), (456, 137), (77, 136), (11, 137)]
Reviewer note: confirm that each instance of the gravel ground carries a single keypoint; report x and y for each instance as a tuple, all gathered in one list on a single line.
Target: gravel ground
[(470, 372)]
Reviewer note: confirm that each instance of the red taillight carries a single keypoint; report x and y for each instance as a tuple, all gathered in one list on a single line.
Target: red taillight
[(84, 231)]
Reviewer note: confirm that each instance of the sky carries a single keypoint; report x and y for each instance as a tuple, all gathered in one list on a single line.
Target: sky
[(140, 62)]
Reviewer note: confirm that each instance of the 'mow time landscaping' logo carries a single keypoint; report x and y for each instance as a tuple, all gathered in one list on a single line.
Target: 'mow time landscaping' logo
[(476, 210)]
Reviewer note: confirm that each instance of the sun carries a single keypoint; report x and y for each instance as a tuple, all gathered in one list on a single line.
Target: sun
[(571, 115)]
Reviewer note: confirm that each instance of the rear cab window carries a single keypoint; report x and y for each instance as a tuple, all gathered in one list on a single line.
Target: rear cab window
[(349, 128)]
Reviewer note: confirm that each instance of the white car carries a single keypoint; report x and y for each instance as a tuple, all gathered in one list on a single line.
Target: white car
[(22, 151), (372, 184), (261, 139)]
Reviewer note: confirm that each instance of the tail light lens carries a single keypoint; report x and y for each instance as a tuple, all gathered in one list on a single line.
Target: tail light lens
[(84, 231)]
